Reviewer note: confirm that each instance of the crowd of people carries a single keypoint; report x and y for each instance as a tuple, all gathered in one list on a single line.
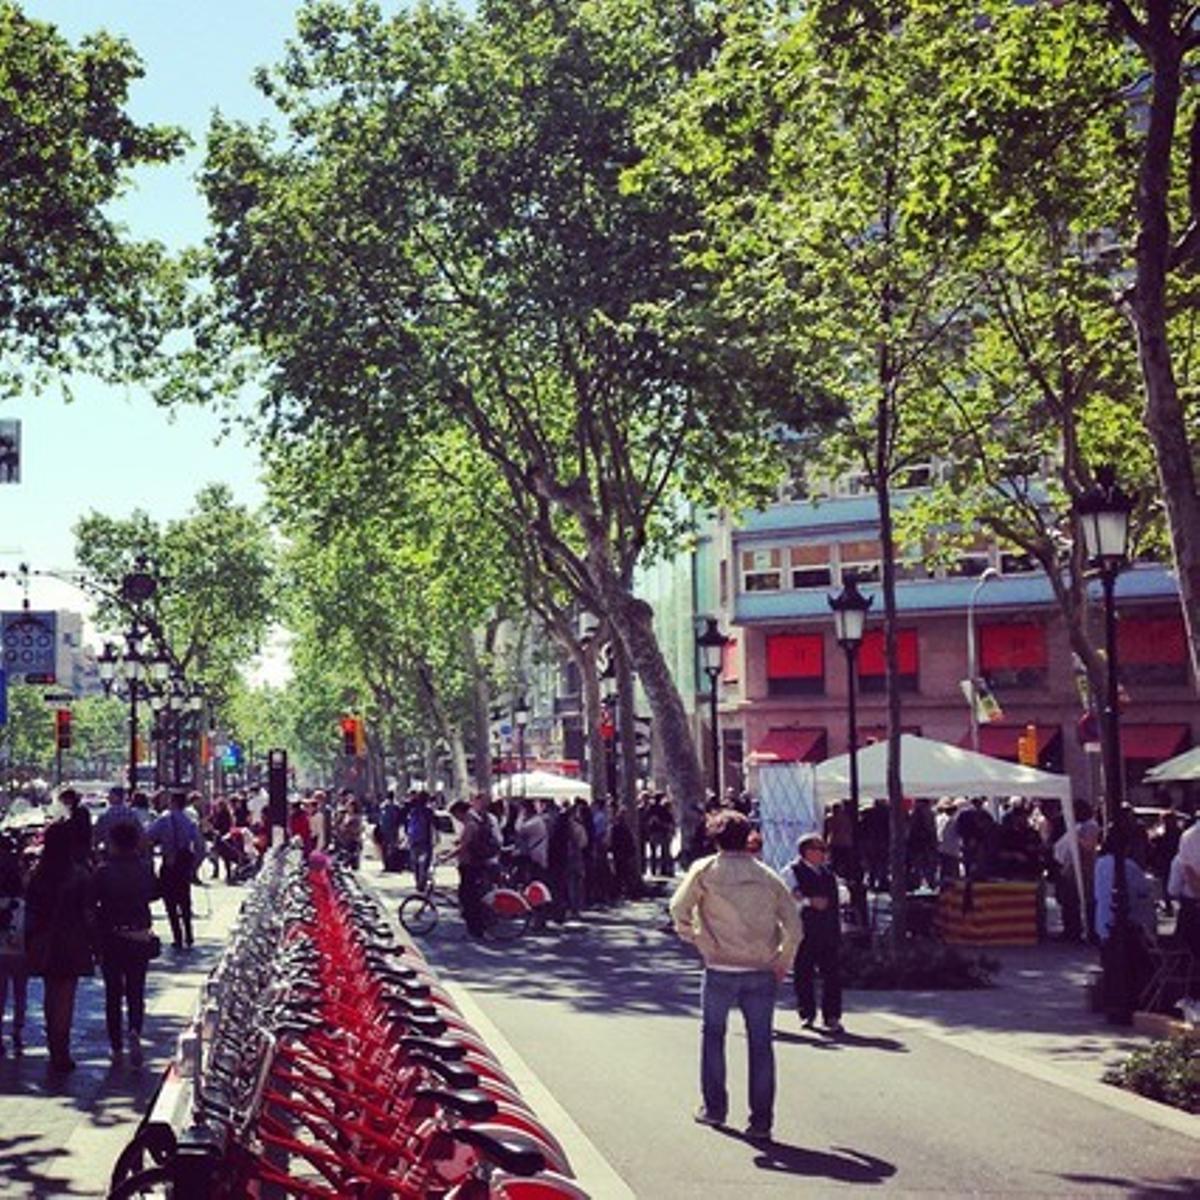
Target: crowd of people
[(84, 900), (1029, 841), (584, 851)]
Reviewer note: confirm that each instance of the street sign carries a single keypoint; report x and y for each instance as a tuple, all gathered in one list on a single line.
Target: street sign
[(30, 645), (10, 451)]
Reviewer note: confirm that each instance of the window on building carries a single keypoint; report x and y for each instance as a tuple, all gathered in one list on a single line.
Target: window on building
[(1017, 562), (872, 669), (1152, 649), (1013, 654), (762, 570), (971, 561), (919, 475), (795, 664), (912, 564), (811, 567), (860, 561)]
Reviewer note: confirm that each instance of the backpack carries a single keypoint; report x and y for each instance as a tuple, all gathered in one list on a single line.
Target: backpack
[(486, 845)]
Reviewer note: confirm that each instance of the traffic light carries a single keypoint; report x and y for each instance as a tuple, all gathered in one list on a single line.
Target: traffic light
[(1027, 747), (350, 736), (62, 728)]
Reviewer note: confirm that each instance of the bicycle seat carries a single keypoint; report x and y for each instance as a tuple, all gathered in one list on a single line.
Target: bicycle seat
[(410, 1007), (409, 984), (510, 1151), (470, 1105), (425, 1026), (444, 1048), (461, 1079)]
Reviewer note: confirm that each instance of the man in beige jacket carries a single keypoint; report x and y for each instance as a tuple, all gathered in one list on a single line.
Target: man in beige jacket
[(741, 917)]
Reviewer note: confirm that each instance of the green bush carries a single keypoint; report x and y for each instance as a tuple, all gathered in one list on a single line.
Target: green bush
[(917, 965), (1168, 1071)]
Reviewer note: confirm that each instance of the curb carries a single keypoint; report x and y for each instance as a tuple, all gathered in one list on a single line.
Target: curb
[(592, 1170)]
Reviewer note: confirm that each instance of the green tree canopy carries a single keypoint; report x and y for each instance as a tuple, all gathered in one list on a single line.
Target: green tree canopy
[(216, 582), (442, 239), (75, 289)]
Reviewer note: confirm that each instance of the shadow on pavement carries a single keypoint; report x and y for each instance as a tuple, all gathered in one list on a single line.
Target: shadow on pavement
[(27, 1168), (1134, 1188), (614, 960), (840, 1164), (842, 1041)]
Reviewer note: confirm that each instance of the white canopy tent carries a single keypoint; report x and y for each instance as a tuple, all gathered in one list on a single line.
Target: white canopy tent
[(1179, 769), (931, 768), (541, 785)]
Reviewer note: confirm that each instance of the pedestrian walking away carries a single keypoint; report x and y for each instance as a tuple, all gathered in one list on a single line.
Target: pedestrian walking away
[(123, 889), (816, 888), (182, 845), (742, 919), (58, 935), (478, 858), (14, 969)]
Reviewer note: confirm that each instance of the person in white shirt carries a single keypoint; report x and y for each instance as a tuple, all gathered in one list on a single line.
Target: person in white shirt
[(182, 846), (1184, 883)]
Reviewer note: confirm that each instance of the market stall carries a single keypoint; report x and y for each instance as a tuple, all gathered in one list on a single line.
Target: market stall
[(977, 913)]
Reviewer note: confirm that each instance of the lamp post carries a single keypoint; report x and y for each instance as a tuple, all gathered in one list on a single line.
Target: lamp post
[(608, 724), (136, 663), (988, 575), (136, 666), (1103, 515), (521, 718), (712, 644), (850, 609)]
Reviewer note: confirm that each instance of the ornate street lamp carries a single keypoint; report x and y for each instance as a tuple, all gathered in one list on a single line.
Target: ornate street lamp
[(609, 696), (712, 643), (850, 608), (521, 719), (138, 668), (136, 664), (988, 575), (1103, 515)]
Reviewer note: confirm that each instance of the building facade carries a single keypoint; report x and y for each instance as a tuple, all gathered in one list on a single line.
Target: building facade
[(783, 690)]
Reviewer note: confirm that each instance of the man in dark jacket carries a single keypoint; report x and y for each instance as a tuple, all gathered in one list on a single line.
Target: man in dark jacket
[(816, 888)]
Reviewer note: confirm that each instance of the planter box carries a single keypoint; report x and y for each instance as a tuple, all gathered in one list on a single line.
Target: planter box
[(1159, 1025)]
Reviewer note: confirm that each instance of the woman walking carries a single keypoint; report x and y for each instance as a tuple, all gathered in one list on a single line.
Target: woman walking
[(123, 890), (58, 936), (13, 968)]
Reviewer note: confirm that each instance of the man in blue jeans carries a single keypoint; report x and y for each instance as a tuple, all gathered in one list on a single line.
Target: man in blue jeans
[(741, 917)]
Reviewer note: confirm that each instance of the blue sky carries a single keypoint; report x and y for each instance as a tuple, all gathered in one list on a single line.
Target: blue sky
[(112, 449)]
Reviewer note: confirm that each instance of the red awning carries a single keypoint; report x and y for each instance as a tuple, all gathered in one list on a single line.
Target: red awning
[(790, 745), (1154, 743), (1000, 741)]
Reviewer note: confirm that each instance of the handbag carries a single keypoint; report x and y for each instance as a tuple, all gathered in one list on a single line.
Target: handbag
[(146, 939), (12, 927)]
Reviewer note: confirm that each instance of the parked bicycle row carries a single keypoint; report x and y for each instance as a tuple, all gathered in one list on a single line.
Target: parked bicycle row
[(326, 1059)]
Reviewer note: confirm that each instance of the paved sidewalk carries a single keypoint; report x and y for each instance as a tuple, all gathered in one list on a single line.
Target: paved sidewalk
[(1035, 1019), (61, 1137)]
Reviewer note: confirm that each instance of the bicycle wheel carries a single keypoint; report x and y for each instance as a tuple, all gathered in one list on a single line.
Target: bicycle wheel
[(157, 1181), (506, 925), (418, 914)]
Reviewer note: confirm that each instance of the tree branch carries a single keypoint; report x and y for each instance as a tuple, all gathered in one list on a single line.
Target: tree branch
[(1188, 244), (1129, 24)]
